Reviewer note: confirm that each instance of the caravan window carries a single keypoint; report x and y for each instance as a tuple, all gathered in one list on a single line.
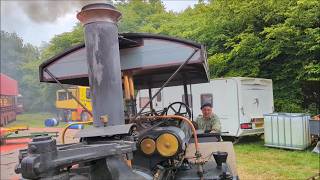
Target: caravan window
[(189, 100), (206, 98), (159, 97), (143, 102)]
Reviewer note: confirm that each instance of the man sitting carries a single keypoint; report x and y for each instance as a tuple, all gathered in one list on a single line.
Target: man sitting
[(208, 121)]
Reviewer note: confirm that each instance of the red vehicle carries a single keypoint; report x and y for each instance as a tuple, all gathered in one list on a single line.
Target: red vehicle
[(10, 100)]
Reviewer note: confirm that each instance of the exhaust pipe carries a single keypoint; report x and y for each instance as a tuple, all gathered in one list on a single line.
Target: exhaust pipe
[(103, 58)]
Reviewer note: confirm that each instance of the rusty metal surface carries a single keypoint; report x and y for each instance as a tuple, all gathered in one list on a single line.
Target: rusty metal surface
[(45, 159), (104, 71), (207, 148), (104, 131), (150, 58), (10, 151), (92, 13)]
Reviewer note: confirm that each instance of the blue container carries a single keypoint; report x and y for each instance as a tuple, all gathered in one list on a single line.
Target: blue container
[(51, 122), (76, 126)]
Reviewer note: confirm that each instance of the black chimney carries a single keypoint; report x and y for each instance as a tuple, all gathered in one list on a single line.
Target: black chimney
[(220, 157), (103, 58)]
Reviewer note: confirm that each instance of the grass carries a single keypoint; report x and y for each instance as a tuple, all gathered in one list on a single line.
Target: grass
[(254, 160), (34, 120)]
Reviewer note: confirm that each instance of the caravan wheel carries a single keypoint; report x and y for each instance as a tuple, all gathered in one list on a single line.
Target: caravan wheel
[(233, 139)]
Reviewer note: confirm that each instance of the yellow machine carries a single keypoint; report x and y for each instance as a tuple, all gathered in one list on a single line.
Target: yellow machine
[(68, 109)]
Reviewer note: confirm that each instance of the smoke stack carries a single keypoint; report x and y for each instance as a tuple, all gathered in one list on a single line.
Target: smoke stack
[(103, 58)]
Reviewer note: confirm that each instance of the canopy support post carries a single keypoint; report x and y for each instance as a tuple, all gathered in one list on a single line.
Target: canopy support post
[(165, 84), (186, 96)]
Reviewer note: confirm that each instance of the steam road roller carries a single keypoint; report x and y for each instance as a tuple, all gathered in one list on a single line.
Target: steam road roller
[(122, 143)]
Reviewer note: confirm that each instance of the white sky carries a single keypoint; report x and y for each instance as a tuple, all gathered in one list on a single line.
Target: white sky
[(13, 19)]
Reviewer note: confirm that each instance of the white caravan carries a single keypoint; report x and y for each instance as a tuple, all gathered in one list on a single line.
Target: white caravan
[(239, 102)]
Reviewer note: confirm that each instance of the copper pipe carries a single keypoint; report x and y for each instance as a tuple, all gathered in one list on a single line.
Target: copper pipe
[(126, 87), (129, 163), (67, 126), (131, 87)]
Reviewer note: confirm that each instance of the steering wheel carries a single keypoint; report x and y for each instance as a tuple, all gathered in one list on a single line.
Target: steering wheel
[(154, 112), (179, 108)]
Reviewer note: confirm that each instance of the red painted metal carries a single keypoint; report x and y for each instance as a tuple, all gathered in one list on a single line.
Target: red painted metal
[(14, 144), (8, 86), (8, 93)]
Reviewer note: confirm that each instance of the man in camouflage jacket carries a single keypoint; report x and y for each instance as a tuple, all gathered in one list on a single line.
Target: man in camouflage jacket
[(208, 121)]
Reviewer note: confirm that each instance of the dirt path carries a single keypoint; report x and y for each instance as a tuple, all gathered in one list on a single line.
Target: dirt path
[(10, 150)]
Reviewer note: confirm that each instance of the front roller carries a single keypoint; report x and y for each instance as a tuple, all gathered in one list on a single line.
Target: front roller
[(45, 160)]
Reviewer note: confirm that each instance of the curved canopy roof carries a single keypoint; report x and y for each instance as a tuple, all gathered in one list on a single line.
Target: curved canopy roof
[(152, 59)]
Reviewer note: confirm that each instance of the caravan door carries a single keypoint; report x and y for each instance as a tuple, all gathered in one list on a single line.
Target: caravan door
[(225, 104), (256, 100)]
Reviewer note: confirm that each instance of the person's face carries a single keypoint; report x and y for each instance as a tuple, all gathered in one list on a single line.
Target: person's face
[(206, 111)]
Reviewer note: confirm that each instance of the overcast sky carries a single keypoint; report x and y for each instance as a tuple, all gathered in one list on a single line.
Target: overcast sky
[(28, 18)]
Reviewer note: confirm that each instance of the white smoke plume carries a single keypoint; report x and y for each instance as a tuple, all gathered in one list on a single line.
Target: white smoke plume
[(44, 11)]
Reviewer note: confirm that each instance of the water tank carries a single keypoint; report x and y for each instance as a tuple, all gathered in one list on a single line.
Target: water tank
[(287, 130)]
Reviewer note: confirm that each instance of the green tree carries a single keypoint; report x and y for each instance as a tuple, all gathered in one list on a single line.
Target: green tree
[(279, 40), (137, 13), (268, 39), (20, 61), (12, 54)]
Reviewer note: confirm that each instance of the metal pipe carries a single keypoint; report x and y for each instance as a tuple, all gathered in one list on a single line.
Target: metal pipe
[(132, 101), (59, 83), (150, 98), (165, 84), (191, 102), (126, 87), (71, 124), (131, 85), (103, 58), (186, 96)]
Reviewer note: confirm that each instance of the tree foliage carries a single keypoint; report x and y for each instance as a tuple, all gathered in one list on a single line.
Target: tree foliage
[(20, 61), (279, 40)]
